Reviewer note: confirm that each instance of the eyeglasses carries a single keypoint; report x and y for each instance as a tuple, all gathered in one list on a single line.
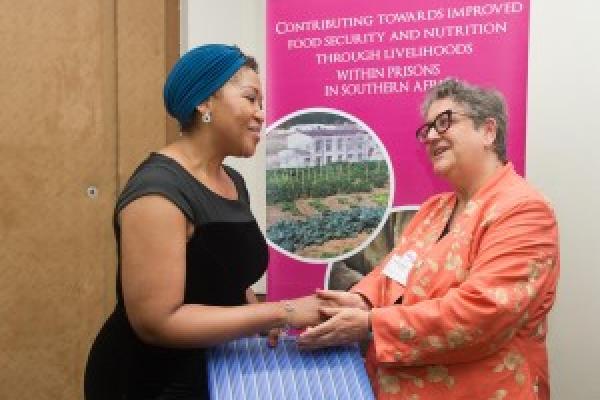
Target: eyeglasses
[(441, 123)]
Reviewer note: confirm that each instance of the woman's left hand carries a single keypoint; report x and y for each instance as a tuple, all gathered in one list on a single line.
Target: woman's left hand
[(344, 326)]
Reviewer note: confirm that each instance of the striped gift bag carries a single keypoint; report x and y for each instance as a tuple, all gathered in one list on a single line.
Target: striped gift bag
[(247, 369)]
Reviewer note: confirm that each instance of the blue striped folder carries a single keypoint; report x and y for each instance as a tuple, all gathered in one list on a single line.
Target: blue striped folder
[(247, 369)]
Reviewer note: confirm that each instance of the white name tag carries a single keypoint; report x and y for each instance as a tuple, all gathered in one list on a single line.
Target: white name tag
[(398, 267)]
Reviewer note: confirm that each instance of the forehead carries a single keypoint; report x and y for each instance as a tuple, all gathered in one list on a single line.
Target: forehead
[(442, 105), (246, 77)]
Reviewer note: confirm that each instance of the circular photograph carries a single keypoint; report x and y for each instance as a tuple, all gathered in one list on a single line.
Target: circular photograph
[(328, 185), (345, 273)]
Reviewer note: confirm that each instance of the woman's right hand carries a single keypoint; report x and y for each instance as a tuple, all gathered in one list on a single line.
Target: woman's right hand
[(340, 298)]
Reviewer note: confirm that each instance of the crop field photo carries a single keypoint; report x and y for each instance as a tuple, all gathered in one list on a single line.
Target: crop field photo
[(328, 185)]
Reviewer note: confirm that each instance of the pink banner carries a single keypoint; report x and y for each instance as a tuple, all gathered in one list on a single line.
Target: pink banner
[(344, 83)]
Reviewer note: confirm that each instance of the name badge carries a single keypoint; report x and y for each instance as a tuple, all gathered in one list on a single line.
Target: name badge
[(398, 267)]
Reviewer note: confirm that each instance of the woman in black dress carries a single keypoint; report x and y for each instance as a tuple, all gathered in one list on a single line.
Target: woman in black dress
[(188, 245)]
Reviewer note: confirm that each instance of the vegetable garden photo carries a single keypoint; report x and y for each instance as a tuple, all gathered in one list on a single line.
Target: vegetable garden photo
[(328, 185)]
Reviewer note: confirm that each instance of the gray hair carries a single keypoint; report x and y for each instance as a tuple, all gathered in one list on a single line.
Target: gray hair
[(480, 104)]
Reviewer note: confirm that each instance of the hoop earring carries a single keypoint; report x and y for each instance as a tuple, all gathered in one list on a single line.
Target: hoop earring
[(206, 118)]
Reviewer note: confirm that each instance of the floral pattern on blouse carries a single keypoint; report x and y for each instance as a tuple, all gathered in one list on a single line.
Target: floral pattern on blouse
[(470, 322)]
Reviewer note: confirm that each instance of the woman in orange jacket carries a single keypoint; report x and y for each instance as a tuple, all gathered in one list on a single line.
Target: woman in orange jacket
[(458, 310)]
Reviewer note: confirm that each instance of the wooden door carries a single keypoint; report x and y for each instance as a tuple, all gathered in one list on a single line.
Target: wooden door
[(64, 154)]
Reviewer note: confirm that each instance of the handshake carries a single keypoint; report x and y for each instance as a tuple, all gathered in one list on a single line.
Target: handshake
[(329, 317)]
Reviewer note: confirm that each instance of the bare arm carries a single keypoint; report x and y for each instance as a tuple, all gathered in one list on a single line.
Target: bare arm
[(153, 251)]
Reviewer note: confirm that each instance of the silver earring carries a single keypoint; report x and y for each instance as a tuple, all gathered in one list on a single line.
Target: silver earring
[(206, 117)]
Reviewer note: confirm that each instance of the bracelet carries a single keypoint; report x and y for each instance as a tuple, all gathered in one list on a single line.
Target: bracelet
[(289, 312)]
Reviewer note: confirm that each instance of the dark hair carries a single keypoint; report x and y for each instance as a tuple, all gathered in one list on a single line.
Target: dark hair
[(188, 128), (481, 103)]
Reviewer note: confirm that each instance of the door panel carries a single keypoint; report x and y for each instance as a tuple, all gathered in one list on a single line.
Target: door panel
[(58, 139), (148, 45), (60, 157)]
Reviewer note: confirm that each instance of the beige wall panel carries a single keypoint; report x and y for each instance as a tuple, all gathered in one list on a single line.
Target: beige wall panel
[(58, 137), (172, 53), (148, 43)]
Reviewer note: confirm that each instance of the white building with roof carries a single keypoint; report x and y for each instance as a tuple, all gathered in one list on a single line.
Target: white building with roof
[(310, 145)]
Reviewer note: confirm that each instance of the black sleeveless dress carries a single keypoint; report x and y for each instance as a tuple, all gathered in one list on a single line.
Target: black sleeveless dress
[(226, 254)]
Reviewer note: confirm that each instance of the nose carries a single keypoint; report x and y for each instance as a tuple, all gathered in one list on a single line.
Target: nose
[(260, 114), (431, 135)]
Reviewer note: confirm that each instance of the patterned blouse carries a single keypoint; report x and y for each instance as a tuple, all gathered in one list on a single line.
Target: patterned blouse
[(470, 321)]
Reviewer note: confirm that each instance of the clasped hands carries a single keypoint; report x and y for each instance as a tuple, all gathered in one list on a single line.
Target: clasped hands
[(330, 317)]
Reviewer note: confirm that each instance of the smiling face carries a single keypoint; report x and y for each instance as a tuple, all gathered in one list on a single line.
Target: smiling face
[(237, 114), (462, 149)]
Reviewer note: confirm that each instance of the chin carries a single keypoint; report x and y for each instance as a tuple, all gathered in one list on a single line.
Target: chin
[(244, 148), (249, 146), (441, 168), (247, 151)]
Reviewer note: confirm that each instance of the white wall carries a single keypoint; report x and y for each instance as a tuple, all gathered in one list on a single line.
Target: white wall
[(241, 23), (563, 157)]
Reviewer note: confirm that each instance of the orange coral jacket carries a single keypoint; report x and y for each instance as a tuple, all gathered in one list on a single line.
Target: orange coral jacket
[(470, 321)]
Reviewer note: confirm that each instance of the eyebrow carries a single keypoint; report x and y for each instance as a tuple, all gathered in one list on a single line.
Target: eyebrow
[(255, 89), (250, 87)]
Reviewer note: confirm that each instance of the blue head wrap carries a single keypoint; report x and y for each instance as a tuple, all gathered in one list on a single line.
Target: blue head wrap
[(197, 75)]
